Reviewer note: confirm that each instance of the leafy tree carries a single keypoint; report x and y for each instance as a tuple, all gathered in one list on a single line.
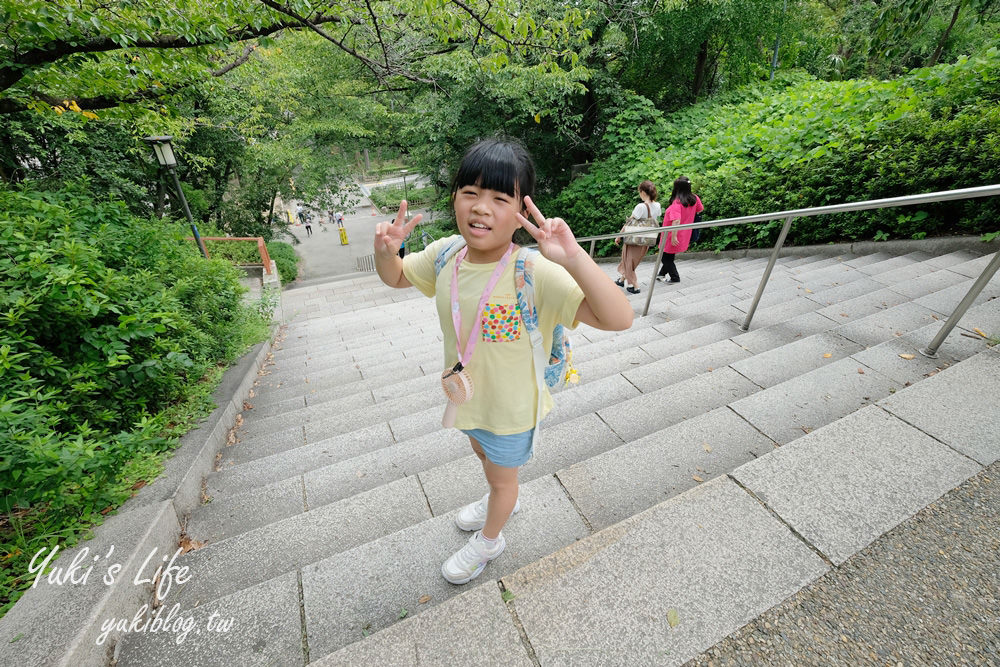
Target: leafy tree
[(99, 55)]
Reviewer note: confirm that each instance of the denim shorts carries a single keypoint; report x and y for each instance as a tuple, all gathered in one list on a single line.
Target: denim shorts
[(508, 451)]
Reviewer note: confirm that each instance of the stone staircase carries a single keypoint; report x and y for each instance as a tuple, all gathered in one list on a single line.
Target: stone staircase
[(680, 477)]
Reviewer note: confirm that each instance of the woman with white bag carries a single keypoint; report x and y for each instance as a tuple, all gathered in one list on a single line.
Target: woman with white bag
[(646, 213)]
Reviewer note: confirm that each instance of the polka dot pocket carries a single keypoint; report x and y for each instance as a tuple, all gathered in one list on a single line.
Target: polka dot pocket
[(501, 322)]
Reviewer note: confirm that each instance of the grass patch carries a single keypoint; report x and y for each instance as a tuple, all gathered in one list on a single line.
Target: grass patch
[(388, 198)]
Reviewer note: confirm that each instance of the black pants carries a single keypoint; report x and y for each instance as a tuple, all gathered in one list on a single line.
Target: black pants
[(668, 266)]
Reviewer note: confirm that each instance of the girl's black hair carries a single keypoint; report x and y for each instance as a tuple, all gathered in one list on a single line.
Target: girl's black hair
[(497, 164), (682, 191)]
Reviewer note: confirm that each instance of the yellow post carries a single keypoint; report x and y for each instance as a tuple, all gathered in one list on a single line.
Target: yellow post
[(343, 236)]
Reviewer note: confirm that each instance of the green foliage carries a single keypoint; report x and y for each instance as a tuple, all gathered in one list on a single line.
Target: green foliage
[(109, 328), (389, 197), (535, 103), (106, 321), (808, 143), (285, 259), (696, 48), (426, 233)]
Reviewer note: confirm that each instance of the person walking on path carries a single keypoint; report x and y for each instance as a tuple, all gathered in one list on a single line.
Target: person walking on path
[(683, 206), (303, 216), (632, 253), (487, 347)]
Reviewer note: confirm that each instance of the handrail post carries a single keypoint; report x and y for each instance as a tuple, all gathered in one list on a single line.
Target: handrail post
[(656, 269), (977, 287), (594, 241), (264, 256), (767, 273)]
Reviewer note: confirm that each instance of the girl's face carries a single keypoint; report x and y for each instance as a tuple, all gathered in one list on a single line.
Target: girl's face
[(487, 219)]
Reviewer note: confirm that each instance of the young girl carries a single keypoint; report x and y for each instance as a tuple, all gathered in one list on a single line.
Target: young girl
[(482, 326), (633, 253), (684, 205)]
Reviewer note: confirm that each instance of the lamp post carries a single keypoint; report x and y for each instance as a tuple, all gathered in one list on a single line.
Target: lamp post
[(165, 156), (406, 195)]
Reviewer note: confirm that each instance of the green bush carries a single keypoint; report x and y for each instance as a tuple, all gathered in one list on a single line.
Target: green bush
[(107, 324), (800, 143), (106, 319), (285, 259), (388, 198)]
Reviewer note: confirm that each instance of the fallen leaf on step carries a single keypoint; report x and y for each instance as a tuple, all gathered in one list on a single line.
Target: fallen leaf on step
[(827, 355), (980, 333), (673, 618), (424, 599), (247, 405), (706, 447), (809, 291), (907, 356), (187, 544), (138, 485), (696, 478), (359, 474), (844, 315), (861, 371)]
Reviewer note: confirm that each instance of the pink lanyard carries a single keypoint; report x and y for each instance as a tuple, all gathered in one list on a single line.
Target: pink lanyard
[(456, 311)]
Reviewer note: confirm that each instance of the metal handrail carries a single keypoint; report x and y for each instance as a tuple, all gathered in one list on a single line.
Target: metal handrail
[(907, 200)]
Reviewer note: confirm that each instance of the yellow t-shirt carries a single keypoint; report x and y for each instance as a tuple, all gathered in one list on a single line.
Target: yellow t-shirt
[(505, 394)]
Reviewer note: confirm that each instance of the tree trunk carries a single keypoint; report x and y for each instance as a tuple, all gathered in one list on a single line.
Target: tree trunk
[(700, 67), (270, 213), (944, 38)]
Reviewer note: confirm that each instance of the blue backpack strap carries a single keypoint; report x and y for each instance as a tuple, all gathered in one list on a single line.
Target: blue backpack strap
[(558, 368), (454, 244), (525, 287)]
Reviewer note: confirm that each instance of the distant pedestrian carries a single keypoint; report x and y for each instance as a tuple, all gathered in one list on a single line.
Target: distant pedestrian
[(683, 206), (307, 221), (636, 248)]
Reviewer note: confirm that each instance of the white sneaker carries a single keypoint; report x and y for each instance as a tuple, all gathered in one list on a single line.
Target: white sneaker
[(473, 515), (466, 563)]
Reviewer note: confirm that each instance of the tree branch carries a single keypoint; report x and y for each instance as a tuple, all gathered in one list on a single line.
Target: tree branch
[(485, 26), (22, 64), (248, 49), (368, 62), (378, 34)]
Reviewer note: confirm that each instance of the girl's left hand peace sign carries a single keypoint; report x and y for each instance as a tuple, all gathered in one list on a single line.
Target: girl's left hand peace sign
[(555, 239)]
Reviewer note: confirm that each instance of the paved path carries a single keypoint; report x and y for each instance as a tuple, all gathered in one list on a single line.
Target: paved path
[(322, 254)]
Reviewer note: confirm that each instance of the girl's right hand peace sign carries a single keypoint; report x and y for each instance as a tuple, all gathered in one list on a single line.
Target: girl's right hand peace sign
[(389, 235)]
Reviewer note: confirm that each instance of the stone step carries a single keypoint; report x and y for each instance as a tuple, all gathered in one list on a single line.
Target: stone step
[(566, 579), (777, 365), (283, 546), (716, 556), (628, 360), (365, 589), (802, 404)]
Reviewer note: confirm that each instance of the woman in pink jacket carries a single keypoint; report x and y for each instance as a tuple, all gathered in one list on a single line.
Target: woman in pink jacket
[(683, 206)]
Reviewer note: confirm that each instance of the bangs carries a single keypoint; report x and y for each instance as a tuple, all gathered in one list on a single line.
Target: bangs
[(496, 165)]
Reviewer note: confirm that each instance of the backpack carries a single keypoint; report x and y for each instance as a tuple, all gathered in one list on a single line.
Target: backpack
[(559, 369)]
